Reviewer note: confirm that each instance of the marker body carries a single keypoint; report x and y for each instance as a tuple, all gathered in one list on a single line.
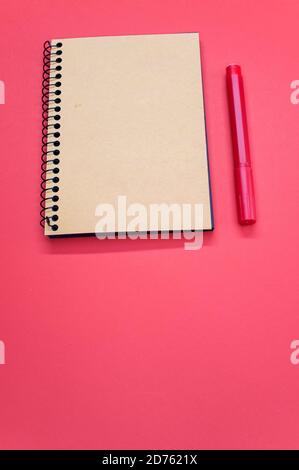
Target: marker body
[(241, 152)]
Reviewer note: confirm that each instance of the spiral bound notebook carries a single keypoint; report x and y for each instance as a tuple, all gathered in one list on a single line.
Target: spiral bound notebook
[(123, 120)]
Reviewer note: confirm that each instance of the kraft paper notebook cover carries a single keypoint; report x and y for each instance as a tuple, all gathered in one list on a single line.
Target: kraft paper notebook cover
[(123, 116)]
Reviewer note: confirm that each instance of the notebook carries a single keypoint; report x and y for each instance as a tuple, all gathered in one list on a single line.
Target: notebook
[(123, 129)]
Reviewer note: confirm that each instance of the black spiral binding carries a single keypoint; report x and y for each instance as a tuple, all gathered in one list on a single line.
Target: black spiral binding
[(51, 105)]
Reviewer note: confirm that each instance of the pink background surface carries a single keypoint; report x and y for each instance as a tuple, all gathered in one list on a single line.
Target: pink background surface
[(140, 344)]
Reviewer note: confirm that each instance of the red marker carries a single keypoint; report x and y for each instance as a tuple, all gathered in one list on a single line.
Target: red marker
[(241, 153)]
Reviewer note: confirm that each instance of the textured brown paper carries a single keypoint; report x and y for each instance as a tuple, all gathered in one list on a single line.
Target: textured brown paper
[(132, 124)]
